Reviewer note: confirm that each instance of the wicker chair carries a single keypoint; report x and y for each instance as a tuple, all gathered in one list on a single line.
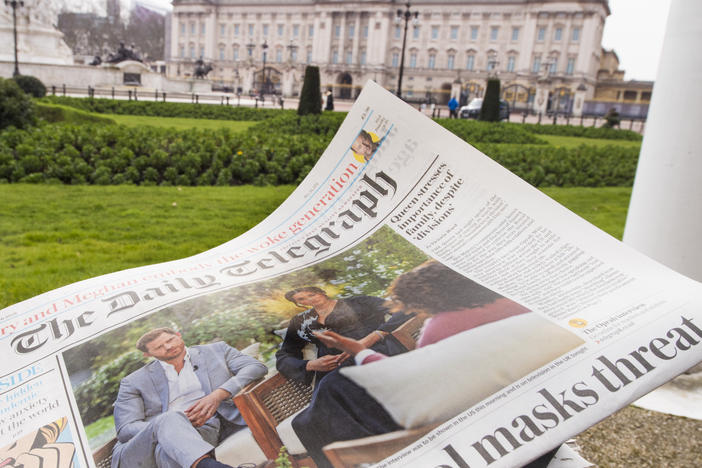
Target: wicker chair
[(103, 455), (266, 404)]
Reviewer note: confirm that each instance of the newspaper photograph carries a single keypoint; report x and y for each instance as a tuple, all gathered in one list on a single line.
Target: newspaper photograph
[(411, 304)]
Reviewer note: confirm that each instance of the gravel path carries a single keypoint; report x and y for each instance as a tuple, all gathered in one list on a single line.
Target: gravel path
[(636, 437)]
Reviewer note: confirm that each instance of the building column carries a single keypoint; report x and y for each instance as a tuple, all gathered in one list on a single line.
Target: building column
[(665, 219), (356, 38)]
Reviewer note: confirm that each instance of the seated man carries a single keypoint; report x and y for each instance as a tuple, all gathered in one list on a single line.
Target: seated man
[(173, 411)]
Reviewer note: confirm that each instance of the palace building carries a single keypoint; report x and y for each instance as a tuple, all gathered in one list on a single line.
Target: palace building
[(547, 53)]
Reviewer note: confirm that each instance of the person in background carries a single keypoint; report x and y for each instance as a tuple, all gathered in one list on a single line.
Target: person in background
[(453, 108), (330, 101)]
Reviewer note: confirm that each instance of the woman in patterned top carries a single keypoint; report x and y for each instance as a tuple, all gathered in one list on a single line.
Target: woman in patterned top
[(361, 317)]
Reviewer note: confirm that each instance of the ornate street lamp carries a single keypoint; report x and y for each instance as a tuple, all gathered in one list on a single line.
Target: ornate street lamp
[(406, 16), (264, 46), (14, 4)]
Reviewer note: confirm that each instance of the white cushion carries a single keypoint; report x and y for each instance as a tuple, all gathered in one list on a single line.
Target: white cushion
[(240, 448), (477, 363), (288, 437), (253, 350)]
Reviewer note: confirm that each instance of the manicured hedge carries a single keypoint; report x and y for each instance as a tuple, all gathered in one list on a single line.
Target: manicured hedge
[(167, 109), (474, 131), (584, 166), (111, 154), (580, 131)]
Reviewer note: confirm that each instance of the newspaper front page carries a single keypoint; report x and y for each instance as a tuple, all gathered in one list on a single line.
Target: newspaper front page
[(496, 323)]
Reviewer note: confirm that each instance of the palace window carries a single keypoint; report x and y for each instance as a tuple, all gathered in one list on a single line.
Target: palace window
[(536, 65), (510, 63), (474, 33), (576, 34), (470, 62)]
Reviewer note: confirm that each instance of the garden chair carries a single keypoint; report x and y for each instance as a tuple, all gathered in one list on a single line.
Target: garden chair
[(269, 406)]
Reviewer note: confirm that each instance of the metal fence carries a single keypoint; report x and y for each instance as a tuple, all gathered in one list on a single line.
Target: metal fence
[(135, 94)]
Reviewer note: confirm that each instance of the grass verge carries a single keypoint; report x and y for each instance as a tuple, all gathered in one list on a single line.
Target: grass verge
[(53, 235)]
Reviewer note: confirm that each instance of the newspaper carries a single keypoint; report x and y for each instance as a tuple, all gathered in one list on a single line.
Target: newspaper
[(565, 324)]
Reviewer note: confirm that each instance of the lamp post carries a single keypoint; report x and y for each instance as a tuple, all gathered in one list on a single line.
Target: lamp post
[(404, 15), (264, 46), (14, 4)]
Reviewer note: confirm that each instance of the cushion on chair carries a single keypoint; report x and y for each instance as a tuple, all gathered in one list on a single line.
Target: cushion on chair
[(439, 381), (288, 437), (239, 448)]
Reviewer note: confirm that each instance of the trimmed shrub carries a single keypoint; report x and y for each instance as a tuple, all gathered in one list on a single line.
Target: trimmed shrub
[(16, 107), (310, 96), (166, 109), (581, 131), (31, 85), (490, 111)]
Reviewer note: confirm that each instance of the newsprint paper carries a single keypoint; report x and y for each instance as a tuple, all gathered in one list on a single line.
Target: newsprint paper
[(499, 324)]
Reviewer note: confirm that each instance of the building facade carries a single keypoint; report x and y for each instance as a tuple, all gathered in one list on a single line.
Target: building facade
[(546, 53)]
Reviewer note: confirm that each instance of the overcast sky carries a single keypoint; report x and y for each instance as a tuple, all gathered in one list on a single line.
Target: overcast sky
[(634, 30)]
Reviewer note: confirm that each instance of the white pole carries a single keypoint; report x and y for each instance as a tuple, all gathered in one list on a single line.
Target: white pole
[(665, 213)]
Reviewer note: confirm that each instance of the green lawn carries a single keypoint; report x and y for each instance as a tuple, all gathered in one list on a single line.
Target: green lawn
[(53, 235), (571, 142), (177, 122)]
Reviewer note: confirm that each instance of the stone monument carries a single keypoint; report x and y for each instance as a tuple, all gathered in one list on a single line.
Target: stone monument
[(38, 40)]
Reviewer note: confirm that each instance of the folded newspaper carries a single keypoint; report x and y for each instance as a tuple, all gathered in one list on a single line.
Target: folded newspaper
[(430, 309)]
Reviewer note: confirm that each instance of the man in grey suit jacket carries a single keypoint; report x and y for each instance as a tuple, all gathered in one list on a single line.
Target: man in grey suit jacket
[(173, 411)]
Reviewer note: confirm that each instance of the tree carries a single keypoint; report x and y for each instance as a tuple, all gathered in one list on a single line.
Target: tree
[(16, 108), (310, 97), (31, 85), (490, 110), (612, 118)]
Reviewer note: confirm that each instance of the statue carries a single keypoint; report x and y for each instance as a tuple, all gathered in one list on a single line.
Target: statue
[(123, 54), (202, 69)]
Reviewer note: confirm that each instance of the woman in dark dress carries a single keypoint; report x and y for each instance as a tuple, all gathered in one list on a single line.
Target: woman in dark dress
[(361, 318)]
